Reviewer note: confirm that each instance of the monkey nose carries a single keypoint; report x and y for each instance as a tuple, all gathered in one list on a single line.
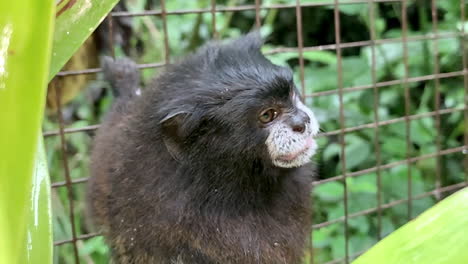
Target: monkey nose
[(299, 128), (298, 121)]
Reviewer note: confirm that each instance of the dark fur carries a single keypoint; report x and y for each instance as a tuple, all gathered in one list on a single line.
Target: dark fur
[(214, 197)]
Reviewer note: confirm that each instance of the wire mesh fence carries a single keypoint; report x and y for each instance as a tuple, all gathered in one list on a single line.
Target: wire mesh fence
[(375, 172)]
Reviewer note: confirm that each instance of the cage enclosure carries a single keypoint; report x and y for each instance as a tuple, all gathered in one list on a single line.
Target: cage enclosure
[(387, 80)]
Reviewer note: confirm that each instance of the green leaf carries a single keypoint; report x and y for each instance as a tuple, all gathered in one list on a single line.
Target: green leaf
[(325, 57), (438, 236), (360, 241), (26, 29), (353, 9), (424, 131), (387, 225), (75, 22), (358, 71), (331, 150), (38, 248), (319, 78), (356, 152), (395, 147), (360, 224), (323, 236), (282, 58), (331, 191), (362, 184), (338, 247)]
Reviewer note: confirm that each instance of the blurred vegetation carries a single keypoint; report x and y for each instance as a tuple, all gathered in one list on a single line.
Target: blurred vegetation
[(188, 31)]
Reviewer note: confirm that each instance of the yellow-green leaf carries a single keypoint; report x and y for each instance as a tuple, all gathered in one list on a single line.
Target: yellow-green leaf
[(438, 236), (76, 20), (26, 29)]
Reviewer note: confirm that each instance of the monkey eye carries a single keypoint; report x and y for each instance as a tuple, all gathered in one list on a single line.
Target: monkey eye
[(268, 115)]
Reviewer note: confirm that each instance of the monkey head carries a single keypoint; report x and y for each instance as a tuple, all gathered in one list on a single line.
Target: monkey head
[(228, 102)]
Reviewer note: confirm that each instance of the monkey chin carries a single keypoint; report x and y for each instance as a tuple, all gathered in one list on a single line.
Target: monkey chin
[(298, 158)]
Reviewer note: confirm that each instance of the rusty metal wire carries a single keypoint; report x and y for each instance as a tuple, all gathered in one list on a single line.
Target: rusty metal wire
[(340, 91), (213, 19), (393, 204), (80, 237), (339, 69), (167, 52), (343, 45), (449, 188), (258, 19), (378, 158), (465, 84), (341, 260), (300, 47), (435, 22), (242, 8), (404, 28), (68, 181)]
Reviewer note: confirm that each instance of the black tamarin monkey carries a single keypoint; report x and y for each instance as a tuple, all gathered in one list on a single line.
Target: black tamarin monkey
[(209, 165)]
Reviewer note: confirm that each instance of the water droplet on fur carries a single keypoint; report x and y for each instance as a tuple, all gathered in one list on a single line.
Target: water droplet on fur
[(276, 244)]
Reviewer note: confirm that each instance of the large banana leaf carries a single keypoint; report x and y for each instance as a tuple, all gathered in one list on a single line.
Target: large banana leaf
[(38, 247), (438, 236), (26, 29), (76, 20)]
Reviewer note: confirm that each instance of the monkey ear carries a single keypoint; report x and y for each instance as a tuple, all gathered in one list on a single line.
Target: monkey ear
[(173, 136), (171, 117)]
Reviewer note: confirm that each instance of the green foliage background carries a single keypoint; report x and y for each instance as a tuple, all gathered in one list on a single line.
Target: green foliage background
[(186, 32)]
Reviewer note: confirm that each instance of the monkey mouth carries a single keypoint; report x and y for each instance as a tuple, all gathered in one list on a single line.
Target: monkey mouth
[(309, 143)]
